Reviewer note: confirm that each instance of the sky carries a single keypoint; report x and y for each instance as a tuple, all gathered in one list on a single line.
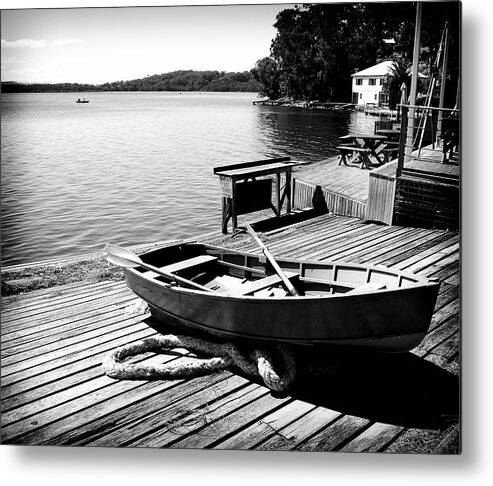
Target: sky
[(98, 45)]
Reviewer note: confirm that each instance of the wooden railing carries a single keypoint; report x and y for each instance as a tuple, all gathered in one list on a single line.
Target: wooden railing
[(427, 125)]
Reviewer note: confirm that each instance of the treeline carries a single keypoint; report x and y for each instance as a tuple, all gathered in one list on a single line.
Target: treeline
[(176, 81), (13, 87)]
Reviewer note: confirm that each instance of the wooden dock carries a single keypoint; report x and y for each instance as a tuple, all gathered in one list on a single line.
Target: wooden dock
[(343, 189), (426, 193), (55, 392)]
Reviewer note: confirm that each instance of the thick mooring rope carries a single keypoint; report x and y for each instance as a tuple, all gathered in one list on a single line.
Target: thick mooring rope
[(224, 355)]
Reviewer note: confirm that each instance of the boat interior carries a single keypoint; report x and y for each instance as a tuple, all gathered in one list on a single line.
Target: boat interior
[(239, 274)]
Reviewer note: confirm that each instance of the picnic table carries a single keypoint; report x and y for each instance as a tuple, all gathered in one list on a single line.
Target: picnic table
[(361, 146)]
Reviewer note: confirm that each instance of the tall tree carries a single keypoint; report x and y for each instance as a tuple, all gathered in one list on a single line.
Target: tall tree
[(318, 46), (266, 72)]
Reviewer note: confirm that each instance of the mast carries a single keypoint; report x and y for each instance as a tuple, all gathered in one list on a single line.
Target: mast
[(443, 80), (414, 82)]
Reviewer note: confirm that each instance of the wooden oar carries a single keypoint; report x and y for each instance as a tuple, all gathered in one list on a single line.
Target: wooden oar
[(272, 260), (125, 258)]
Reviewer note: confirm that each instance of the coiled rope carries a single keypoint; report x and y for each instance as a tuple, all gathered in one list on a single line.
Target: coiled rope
[(224, 355)]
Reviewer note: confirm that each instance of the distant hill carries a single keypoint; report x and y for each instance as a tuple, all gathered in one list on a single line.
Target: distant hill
[(175, 81)]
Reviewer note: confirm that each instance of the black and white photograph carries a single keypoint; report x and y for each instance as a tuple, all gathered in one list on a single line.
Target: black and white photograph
[(233, 227)]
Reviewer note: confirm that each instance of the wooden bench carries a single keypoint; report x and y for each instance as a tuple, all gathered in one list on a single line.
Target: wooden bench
[(390, 153), (358, 152), (367, 287), (263, 283), (182, 265)]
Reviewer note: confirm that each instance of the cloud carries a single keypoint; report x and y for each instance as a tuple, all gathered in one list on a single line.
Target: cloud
[(37, 44), (64, 42), (12, 60), (28, 43)]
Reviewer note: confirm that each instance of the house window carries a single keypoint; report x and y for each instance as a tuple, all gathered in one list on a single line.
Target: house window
[(360, 95), (381, 81), (359, 81), (375, 96), (372, 82)]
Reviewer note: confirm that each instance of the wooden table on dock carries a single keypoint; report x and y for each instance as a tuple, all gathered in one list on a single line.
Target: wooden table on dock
[(242, 193), (362, 146)]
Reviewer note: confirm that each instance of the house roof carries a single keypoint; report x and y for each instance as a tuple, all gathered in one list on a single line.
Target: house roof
[(380, 69)]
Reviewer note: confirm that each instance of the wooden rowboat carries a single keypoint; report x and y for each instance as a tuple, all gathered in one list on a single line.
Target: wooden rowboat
[(237, 295)]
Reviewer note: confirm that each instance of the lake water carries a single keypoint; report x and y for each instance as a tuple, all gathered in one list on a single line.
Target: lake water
[(132, 168)]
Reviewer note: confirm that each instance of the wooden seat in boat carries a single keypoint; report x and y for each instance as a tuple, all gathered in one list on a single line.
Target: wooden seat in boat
[(367, 287), (263, 283), (183, 265)]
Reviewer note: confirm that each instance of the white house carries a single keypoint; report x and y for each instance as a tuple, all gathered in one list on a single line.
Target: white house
[(368, 84)]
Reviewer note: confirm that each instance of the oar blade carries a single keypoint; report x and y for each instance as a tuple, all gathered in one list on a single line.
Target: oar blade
[(120, 256), (125, 258)]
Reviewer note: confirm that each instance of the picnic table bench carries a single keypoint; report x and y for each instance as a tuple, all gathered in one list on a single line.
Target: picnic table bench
[(363, 146), (390, 152), (357, 153)]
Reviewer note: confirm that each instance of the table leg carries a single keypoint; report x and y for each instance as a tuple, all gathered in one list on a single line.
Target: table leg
[(365, 161), (342, 159), (373, 149), (234, 217), (287, 191), (225, 215), (278, 194)]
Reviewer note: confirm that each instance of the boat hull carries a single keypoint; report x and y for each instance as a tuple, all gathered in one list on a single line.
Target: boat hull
[(388, 320)]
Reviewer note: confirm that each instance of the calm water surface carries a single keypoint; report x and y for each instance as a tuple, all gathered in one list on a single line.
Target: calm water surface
[(133, 168)]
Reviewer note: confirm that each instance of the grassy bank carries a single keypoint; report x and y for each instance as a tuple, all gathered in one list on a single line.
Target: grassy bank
[(43, 277)]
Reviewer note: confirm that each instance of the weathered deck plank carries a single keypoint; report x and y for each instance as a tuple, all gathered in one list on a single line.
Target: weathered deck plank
[(136, 413), (53, 341), (211, 406), (297, 432), (373, 439), (26, 333), (265, 428), (335, 435), (228, 425)]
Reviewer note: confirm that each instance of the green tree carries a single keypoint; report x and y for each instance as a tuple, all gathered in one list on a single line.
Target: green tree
[(266, 73), (318, 46)]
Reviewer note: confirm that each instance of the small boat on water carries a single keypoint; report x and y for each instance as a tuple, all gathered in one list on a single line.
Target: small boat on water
[(238, 295), (82, 101)]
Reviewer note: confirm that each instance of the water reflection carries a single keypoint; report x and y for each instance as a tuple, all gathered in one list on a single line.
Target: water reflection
[(306, 134)]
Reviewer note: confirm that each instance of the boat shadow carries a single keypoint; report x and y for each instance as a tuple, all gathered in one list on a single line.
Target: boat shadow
[(393, 388), (400, 389)]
